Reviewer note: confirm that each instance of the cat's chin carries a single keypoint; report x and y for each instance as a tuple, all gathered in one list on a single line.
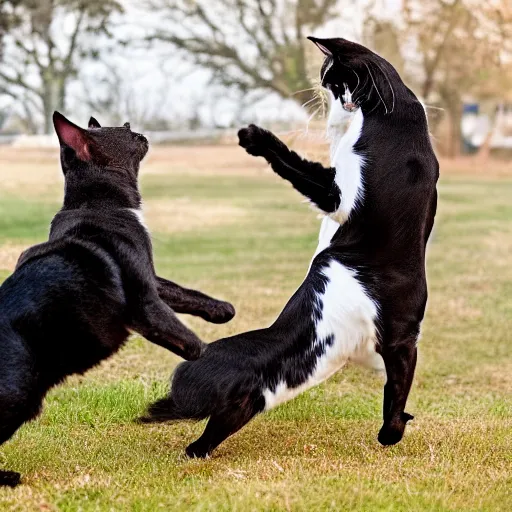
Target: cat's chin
[(338, 119)]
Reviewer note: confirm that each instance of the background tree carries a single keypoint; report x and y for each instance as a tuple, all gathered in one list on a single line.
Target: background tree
[(249, 45), (458, 50), (43, 53), (8, 19)]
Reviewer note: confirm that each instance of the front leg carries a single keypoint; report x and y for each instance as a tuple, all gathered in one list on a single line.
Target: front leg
[(147, 313), (311, 179), (156, 322), (192, 302)]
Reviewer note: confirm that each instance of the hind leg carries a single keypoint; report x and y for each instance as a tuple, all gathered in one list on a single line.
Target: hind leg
[(8, 478), (10, 422), (400, 361), (218, 429), (19, 402)]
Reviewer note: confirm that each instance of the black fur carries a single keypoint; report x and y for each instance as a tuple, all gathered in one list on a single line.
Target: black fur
[(321, 191), (72, 300), (384, 241)]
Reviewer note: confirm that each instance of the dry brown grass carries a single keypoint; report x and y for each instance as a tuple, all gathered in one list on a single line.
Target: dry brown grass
[(9, 254), (185, 214), (222, 159)]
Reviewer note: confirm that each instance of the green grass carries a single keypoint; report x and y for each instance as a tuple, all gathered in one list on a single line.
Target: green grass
[(318, 452)]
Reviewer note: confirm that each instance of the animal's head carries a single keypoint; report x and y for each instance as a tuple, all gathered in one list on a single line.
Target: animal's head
[(115, 150), (359, 78)]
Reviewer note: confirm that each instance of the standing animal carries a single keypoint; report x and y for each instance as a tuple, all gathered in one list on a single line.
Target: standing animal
[(73, 300), (365, 294)]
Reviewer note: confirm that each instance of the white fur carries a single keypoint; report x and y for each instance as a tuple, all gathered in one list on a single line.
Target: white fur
[(348, 167), (366, 354), (140, 217), (328, 229), (348, 315)]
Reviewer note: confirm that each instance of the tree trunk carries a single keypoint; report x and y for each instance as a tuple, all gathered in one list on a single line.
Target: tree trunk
[(455, 114), (485, 149), (53, 99), (453, 105)]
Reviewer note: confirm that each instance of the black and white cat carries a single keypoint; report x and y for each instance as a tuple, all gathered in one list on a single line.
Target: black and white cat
[(365, 294), (73, 300)]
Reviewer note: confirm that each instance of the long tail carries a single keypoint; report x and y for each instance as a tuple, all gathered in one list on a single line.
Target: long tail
[(165, 410), (191, 397)]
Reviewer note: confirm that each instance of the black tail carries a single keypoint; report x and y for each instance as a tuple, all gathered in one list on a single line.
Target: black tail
[(9, 479), (191, 397), (162, 411)]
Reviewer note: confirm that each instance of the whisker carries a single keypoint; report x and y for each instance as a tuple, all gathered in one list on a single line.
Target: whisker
[(390, 86), (356, 100), (306, 131), (358, 81), (315, 98), (304, 90), (375, 85)]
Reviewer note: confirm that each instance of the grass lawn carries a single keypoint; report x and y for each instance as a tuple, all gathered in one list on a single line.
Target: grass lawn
[(223, 223)]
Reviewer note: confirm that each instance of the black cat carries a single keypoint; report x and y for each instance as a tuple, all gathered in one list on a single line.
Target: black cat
[(365, 294), (73, 300)]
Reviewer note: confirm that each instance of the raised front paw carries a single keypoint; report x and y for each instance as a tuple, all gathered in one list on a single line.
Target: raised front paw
[(220, 313), (256, 141)]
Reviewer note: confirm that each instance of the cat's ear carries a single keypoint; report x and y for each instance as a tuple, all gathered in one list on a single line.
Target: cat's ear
[(72, 136), (324, 45), (93, 123)]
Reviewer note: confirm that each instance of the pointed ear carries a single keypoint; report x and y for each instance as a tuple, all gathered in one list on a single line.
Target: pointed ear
[(323, 45), (127, 125), (93, 123), (72, 136)]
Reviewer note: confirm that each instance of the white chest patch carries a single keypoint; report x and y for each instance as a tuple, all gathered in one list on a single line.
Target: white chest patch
[(348, 322), (348, 167), (328, 229)]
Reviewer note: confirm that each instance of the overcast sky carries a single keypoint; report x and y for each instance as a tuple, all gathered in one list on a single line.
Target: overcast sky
[(167, 82), (161, 81)]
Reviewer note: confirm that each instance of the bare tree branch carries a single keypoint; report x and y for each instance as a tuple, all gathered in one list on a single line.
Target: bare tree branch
[(250, 45), (36, 50)]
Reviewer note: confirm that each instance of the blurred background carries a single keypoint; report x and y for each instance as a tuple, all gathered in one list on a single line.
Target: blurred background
[(192, 69), (189, 73)]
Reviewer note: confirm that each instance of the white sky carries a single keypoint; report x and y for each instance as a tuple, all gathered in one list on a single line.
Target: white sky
[(168, 83), (161, 82)]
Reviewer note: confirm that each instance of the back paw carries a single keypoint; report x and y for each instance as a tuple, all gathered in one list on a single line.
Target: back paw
[(197, 451), (9, 479), (392, 433)]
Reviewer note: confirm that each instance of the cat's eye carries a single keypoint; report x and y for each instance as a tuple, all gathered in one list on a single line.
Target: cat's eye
[(335, 89)]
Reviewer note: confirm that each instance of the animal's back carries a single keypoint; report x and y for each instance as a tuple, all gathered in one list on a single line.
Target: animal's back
[(65, 311)]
